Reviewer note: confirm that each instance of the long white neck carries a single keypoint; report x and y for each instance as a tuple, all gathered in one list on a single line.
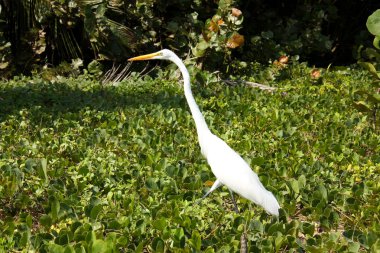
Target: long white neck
[(200, 122)]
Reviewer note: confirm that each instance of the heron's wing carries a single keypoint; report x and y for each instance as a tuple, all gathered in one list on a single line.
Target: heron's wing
[(231, 169)]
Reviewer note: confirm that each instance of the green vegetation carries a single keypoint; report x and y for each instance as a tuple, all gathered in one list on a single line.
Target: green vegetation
[(103, 166), (88, 167), (370, 97)]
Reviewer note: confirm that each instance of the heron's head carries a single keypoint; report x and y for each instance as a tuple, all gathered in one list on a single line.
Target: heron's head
[(164, 54)]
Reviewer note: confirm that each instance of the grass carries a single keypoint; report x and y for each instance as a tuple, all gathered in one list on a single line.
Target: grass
[(86, 167)]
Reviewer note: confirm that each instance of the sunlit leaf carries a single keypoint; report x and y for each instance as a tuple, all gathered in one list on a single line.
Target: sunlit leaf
[(195, 240), (100, 246), (4, 65), (373, 23)]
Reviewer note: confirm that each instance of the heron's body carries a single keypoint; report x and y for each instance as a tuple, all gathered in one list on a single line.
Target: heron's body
[(234, 172), (229, 168)]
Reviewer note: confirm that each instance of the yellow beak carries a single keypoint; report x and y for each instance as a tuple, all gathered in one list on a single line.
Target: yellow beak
[(144, 57)]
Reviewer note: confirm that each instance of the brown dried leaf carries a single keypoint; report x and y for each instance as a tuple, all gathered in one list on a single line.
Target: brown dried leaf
[(208, 183), (236, 12), (213, 26), (315, 73), (235, 41), (283, 59)]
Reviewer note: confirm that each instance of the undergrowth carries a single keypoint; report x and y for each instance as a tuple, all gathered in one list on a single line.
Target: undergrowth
[(89, 167)]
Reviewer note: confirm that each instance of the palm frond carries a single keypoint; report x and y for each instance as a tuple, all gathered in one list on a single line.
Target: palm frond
[(124, 33), (69, 44), (116, 74), (120, 72)]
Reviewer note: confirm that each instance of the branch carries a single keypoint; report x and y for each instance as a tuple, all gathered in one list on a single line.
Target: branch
[(251, 84)]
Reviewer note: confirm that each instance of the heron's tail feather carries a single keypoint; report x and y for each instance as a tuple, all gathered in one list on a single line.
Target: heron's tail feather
[(270, 204)]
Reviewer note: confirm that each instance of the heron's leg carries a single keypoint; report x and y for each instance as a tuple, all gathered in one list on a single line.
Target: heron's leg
[(233, 200), (215, 186)]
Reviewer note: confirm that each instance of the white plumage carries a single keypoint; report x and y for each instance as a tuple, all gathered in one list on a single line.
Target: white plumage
[(229, 168), (234, 172)]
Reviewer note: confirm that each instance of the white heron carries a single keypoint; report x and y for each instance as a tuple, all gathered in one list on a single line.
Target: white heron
[(229, 168)]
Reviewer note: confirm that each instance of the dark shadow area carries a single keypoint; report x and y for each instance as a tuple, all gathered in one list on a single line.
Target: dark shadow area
[(61, 98), (328, 31)]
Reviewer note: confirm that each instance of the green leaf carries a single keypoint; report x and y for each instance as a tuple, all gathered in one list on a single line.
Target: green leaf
[(94, 67), (100, 246), (69, 249), (323, 191), (258, 161), (353, 247), (373, 23), (54, 206), (196, 241), (173, 26), (369, 66), (25, 238), (100, 10), (4, 65), (151, 184), (56, 248), (372, 53), (375, 98), (160, 224), (200, 49), (292, 228), (46, 220), (308, 228), (294, 185), (158, 245), (302, 181), (179, 237), (274, 229), (95, 211), (376, 42), (376, 246), (77, 63), (140, 247), (123, 240), (80, 249), (362, 106), (91, 237), (278, 241), (44, 170), (209, 250)]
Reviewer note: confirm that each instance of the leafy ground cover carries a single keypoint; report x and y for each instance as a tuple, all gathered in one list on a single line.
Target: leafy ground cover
[(86, 167)]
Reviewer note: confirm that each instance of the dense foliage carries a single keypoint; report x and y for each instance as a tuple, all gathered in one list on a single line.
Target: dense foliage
[(87, 167), (97, 166), (41, 33), (370, 96)]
